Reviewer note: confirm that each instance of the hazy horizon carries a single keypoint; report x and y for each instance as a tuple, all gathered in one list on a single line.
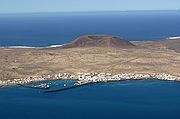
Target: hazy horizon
[(34, 6), (115, 11)]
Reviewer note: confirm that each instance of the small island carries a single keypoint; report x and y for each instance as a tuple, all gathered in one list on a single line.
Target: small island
[(92, 58)]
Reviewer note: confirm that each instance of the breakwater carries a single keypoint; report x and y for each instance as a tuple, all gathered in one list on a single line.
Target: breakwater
[(90, 77)]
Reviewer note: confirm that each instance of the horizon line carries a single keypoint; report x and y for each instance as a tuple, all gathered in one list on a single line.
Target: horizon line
[(11, 13)]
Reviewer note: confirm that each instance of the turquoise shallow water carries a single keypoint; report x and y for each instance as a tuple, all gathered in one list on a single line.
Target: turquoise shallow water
[(129, 99)]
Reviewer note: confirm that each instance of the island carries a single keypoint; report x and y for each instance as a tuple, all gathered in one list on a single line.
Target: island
[(92, 58)]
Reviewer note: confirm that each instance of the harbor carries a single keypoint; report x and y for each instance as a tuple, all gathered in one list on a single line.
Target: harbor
[(41, 86), (82, 79), (67, 88)]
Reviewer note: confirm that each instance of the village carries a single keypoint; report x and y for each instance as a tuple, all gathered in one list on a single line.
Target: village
[(84, 78)]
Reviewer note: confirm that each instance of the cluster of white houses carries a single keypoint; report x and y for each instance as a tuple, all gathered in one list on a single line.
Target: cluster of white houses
[(91, 77), (107, 77)]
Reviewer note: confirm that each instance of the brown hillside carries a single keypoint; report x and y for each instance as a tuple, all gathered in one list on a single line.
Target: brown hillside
[(99, 41), (162, 44)]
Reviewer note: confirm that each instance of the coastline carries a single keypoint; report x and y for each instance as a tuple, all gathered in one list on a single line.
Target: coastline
[(91, 78), (60, 45)]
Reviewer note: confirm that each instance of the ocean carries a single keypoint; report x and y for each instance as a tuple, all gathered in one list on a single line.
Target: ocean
[(46, 29), (144, 99)]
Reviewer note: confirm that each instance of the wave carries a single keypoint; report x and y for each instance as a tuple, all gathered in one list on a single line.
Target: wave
[(173, 38), (29, 47), (54, 46)]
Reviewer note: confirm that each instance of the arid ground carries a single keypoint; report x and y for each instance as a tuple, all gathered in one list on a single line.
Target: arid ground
[(146, 57)]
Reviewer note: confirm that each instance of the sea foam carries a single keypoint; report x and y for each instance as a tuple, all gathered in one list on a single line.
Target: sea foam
[(174, 38), (29, 47)]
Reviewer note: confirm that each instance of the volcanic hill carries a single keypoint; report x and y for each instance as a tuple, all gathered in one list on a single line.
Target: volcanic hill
[(99, 41)]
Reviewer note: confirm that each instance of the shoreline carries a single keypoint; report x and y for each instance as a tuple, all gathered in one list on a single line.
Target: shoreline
[(90, 78), (29, 47), (60, 45)]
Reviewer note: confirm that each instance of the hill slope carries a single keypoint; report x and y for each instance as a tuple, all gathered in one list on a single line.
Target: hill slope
[(99, 41), (161, 44)]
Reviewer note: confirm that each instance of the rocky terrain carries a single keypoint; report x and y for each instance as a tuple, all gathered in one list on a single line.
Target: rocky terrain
[(99, 41), (90, 54)]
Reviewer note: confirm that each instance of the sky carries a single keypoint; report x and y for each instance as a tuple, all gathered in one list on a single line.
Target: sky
[(33, 6)]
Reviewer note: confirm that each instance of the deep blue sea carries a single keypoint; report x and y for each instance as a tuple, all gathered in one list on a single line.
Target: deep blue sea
[(47, 29), (143, 99)]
